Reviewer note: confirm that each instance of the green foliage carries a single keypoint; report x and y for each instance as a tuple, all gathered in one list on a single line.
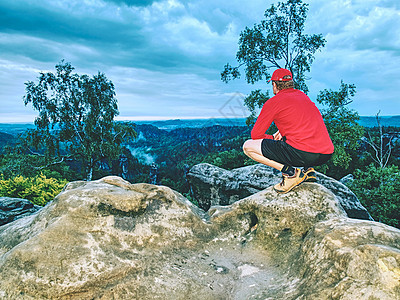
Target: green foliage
[(76, 118), (28, 165), (230, 159), (343, 128), (378, 189), (277, 42), (13, 164), (39, 189), (255, 100)]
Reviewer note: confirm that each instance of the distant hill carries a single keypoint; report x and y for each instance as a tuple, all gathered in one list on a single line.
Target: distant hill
[(9, 133), (7, 139), (15, 128), (385, 121), (366, 121), (194, 123)]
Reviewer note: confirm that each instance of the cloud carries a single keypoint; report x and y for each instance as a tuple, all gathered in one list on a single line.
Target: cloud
[(361, 48), (133, 2), (165, 56), (143, 92), (163, 34), (357, 25), (100, 26)]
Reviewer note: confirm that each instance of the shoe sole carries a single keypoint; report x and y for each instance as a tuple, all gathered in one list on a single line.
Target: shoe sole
[(312, 178)]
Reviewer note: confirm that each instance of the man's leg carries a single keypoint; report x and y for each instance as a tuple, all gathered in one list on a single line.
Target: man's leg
[(252, 148)]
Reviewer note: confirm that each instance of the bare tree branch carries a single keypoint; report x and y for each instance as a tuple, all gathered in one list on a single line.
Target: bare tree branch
[(54, 163), (382, 155)]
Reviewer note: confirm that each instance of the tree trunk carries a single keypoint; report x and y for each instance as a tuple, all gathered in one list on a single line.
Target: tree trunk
[(89, 175)]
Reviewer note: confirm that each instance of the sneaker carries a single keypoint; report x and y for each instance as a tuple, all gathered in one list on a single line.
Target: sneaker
[(310, 174), (290, 182)]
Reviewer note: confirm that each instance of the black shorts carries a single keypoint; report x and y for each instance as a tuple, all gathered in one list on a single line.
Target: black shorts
[(283, 153)]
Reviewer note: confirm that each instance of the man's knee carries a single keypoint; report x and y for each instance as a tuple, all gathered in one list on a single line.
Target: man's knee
[(245, 146), (251, 146)]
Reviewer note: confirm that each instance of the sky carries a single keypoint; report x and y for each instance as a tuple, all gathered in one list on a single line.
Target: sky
[(165, 56)]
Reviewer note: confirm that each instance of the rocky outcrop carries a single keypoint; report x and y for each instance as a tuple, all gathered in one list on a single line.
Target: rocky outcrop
[(212, 185), (14, 208), (109, 239)]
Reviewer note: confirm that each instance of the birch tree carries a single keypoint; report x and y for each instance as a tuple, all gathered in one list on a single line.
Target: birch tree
[(76, 118), (278, 41)]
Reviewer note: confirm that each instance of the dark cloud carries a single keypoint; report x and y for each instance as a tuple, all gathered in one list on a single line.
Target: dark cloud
[(116, 37), (62, 25), (32, 48)]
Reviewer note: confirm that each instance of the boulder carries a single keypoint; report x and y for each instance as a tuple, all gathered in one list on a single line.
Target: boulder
[(347, 179), (109, 239), (211, 185), (15, 208)]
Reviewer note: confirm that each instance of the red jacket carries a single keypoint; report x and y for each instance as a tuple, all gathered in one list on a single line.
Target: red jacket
[(297, 118)]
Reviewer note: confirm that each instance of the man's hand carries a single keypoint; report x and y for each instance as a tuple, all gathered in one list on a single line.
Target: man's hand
[(277, 136)]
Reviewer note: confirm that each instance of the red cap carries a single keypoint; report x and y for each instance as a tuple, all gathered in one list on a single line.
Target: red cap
[(279, 74)]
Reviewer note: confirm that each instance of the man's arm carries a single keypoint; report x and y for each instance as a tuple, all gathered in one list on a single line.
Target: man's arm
[(263, 122)]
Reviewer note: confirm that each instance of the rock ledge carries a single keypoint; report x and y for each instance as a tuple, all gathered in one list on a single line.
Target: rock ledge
[(109, 239)]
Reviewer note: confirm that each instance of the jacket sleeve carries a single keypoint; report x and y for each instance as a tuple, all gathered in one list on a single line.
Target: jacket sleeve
[(263, 122)]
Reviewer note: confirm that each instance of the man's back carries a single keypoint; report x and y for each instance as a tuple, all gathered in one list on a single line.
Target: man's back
[(298, 120)]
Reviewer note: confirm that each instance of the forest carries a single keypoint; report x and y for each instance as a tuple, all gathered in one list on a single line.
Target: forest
[(161, 156)]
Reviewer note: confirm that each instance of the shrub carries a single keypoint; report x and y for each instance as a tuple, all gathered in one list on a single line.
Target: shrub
[(39, 189), (379, 191)]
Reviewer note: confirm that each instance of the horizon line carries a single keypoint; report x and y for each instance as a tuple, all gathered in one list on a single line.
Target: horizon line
[(165, 118)]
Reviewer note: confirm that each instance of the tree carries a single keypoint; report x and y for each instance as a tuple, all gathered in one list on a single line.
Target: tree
[(76, 118), (382, 146), (342, 124), (277, 42)]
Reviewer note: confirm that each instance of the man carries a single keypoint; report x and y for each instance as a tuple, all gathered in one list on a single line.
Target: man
[(302, 139)]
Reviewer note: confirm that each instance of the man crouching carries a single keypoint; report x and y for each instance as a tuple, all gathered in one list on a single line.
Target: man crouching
[(302, 140)]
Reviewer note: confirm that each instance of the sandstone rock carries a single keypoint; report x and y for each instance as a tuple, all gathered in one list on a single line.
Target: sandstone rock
[(365, 255), (15, 208), (212, 185), (346, 179), (347, 199), (109, 239)]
